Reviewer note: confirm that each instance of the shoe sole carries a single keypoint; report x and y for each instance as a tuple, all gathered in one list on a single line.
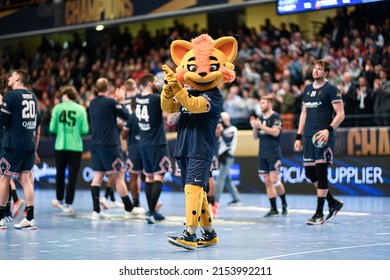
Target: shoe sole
[(335, 213), (313, 224), (27, 228), (177, 244)]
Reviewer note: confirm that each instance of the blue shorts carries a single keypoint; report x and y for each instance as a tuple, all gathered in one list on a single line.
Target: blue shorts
[(313, 155), (194, 171), (107, 159), (269, 165), (13, 162), (155, 160), (133, 162)]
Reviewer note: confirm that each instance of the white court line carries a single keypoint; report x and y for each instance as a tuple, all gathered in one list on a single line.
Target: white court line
[(384, 233), (324, 250)]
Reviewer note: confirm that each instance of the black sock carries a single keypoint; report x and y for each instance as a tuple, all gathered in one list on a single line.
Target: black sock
[(283, 198), (127, 203), (148, 193), (136, 201), (8, 208), (320, 205), (273, 203), (14, 195), (211, 199), (2, 210), (95, 191), (30, 212), (330, 198), (108, 192), (112, 194), (156, 191)]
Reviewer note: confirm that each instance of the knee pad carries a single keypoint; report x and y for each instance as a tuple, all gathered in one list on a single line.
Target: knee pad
[(322, 176), (311, 173)]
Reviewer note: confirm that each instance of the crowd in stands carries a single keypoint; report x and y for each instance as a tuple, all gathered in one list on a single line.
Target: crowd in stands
[(274, 61)]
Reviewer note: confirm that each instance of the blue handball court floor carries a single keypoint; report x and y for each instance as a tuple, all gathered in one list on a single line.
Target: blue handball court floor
[(360, 231)]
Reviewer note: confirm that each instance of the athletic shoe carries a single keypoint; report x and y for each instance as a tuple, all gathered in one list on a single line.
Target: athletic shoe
[(316, 220), (117, 204), (3, 224), (150, 218), (284, 210), (57, 204), (18, 205), (334, 209), (207, 239), (234, 203), (67, 208), (271, 214), (104, 203), (98, 216), (136, 211), (186, 240), (157, 216), (8, 218), (26, 224)]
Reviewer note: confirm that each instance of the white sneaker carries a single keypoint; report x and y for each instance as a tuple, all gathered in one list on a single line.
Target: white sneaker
[(117, 204), (98, 216), (137, 211), (67, 208), (3, 224), (57, 204), (26, 224), (104, 203), (8, 219)]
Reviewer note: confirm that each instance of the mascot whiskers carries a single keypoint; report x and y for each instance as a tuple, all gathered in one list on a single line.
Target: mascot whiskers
[(202, 64)]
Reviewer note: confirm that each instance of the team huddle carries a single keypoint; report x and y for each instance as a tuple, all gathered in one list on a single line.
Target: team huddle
[(139, 118)]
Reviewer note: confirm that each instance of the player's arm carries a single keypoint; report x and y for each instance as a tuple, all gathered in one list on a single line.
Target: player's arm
[(5, 112), (53, 121), (85, 125), (125, 132), (255, 130), (338, 107), (37, 159), (301, 125)]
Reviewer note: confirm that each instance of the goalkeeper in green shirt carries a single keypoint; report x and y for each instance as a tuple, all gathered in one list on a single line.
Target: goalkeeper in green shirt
[(69, 122)]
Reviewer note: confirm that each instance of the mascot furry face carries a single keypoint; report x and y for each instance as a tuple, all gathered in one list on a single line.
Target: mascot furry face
[(204, 63)]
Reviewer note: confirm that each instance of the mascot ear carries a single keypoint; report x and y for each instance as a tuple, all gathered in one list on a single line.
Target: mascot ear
[(178, 50), (228, 45)]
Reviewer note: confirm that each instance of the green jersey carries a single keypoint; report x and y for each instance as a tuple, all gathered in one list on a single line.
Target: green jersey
[(69, 121)]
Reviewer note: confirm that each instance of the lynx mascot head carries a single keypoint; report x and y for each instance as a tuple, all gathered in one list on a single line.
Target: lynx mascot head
[(202, 64)]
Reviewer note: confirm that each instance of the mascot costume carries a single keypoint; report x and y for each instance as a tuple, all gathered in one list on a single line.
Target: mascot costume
[(202, 64)]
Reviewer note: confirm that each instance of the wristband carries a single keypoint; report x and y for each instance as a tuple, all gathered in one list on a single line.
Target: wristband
[(298, 137), (329, 128)]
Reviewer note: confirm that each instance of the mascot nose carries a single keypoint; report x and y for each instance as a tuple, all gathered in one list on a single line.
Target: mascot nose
[(202, 74)]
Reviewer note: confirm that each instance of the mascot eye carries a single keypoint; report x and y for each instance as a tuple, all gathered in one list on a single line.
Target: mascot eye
[(192, 68), (214, 67)]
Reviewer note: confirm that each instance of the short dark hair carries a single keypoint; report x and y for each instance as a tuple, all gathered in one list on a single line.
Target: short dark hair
[(324, 64), (24, 77), (70, 92), (146, 79)]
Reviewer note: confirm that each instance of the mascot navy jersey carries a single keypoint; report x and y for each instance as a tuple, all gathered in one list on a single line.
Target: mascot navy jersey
[(319, 109), (196, 132)]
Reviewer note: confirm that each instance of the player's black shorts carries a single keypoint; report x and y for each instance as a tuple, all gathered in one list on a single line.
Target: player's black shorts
[(13, 162), (107, 159), (133, 161), (269, 165), (313, 155), (194, 171), (155, 160)]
